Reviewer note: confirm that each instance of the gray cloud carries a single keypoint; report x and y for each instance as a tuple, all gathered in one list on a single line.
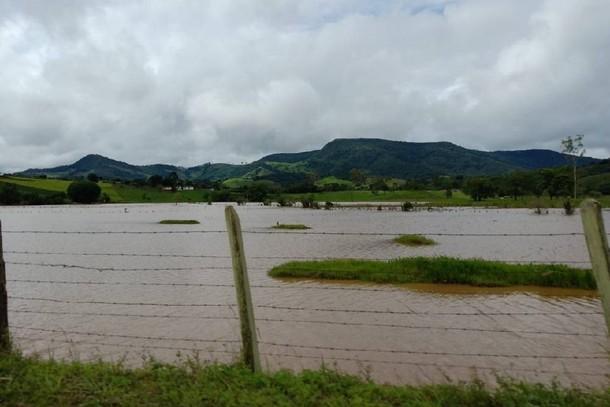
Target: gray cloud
[(189, 82)]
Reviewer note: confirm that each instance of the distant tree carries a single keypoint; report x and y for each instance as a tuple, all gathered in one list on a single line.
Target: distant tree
[(154, 180), (573, 148), (84, 192), (257, 191), (378, 184), (479, 188), (560, 186), (357, 176), (92, 177), (171, 180), (518, 183), (9, 194)]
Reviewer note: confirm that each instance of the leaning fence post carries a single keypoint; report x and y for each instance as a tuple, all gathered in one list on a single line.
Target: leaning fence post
[(250, 353), (4, 333), (597, 243)]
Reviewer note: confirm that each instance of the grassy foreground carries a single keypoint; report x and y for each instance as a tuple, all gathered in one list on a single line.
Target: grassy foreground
[(31, 382), (444, 270)]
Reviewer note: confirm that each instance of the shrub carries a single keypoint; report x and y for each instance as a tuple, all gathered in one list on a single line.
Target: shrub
[(328, 205), (9, 195), (308, 202), (84, 192), (406, 206), (567, 207)]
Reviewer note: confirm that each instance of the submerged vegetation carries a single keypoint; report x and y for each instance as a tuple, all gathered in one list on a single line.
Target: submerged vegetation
[(441, 270), (414, 240), (28, 382), (290, 226), (179, 222)]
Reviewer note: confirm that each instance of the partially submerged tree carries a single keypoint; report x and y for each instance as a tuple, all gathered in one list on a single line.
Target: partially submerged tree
[(573, 148), (84, 192)]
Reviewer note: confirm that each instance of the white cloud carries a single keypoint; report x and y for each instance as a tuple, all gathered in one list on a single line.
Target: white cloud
[(189, 82)]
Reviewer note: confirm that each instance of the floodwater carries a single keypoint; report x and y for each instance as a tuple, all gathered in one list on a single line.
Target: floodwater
[(127, 296)]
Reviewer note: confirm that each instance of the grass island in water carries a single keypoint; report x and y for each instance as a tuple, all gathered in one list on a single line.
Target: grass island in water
[(179, 222), (289, 226), (440, 270), (414, 240)]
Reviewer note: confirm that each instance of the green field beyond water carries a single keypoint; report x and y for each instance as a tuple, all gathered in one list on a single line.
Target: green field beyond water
[(440, 270), (120, 193), (31, 382)]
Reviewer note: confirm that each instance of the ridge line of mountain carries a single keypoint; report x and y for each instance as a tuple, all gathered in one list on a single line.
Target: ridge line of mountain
[(374, 156)]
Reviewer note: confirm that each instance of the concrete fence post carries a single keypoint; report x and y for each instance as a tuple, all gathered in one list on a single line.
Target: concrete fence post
[(250, 353), (4, 332), (597, 243)]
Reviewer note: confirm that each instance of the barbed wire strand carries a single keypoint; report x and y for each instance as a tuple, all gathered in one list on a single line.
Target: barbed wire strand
[(423, 364), (202, 256), (66, 301), (126, 336), (119, 314), (316, 347), (432, 353), (293, 232), (94, 268), (365, 311), (156, 304), (306, 321), (129, 345)]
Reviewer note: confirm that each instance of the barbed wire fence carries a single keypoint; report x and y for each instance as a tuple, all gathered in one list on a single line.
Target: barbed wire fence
[(247, 347)]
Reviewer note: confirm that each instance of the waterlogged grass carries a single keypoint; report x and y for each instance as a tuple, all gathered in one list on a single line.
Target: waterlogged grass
[(129, 194), (414, 240), (31, 382), (290, 226), (432, 197), (440, 270), (179, 222)]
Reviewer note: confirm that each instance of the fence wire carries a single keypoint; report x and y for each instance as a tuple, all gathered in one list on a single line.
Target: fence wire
[(342, 351)]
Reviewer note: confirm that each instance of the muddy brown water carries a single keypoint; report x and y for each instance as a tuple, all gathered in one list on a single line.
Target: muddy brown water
[(413, 334)]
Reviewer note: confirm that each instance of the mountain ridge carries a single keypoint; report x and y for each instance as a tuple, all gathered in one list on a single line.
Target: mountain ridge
[(374, 156)]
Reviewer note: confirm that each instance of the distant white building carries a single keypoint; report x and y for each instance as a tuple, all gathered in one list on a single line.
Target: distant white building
[(180, 188)]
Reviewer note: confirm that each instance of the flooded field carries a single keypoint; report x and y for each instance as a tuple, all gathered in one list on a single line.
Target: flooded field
[(120, 296)]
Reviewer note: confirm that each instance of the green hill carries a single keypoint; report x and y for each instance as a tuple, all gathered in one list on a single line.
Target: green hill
[(375, 157)]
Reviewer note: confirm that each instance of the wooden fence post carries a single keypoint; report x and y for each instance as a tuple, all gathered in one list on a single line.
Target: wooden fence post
[(4, 333), (597, 243), (250, 353)]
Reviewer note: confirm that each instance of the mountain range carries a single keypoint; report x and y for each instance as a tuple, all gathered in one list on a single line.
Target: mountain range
[(377, 157)]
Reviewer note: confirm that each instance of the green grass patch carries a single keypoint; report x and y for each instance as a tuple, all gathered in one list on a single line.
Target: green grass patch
[(290, 226), (236, 182), (179, 222), (334, 180), (414, 240), (32, 382), (436, 198), (440, 270)]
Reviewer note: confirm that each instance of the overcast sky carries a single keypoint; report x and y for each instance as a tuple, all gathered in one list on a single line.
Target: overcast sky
[(187, 82)]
